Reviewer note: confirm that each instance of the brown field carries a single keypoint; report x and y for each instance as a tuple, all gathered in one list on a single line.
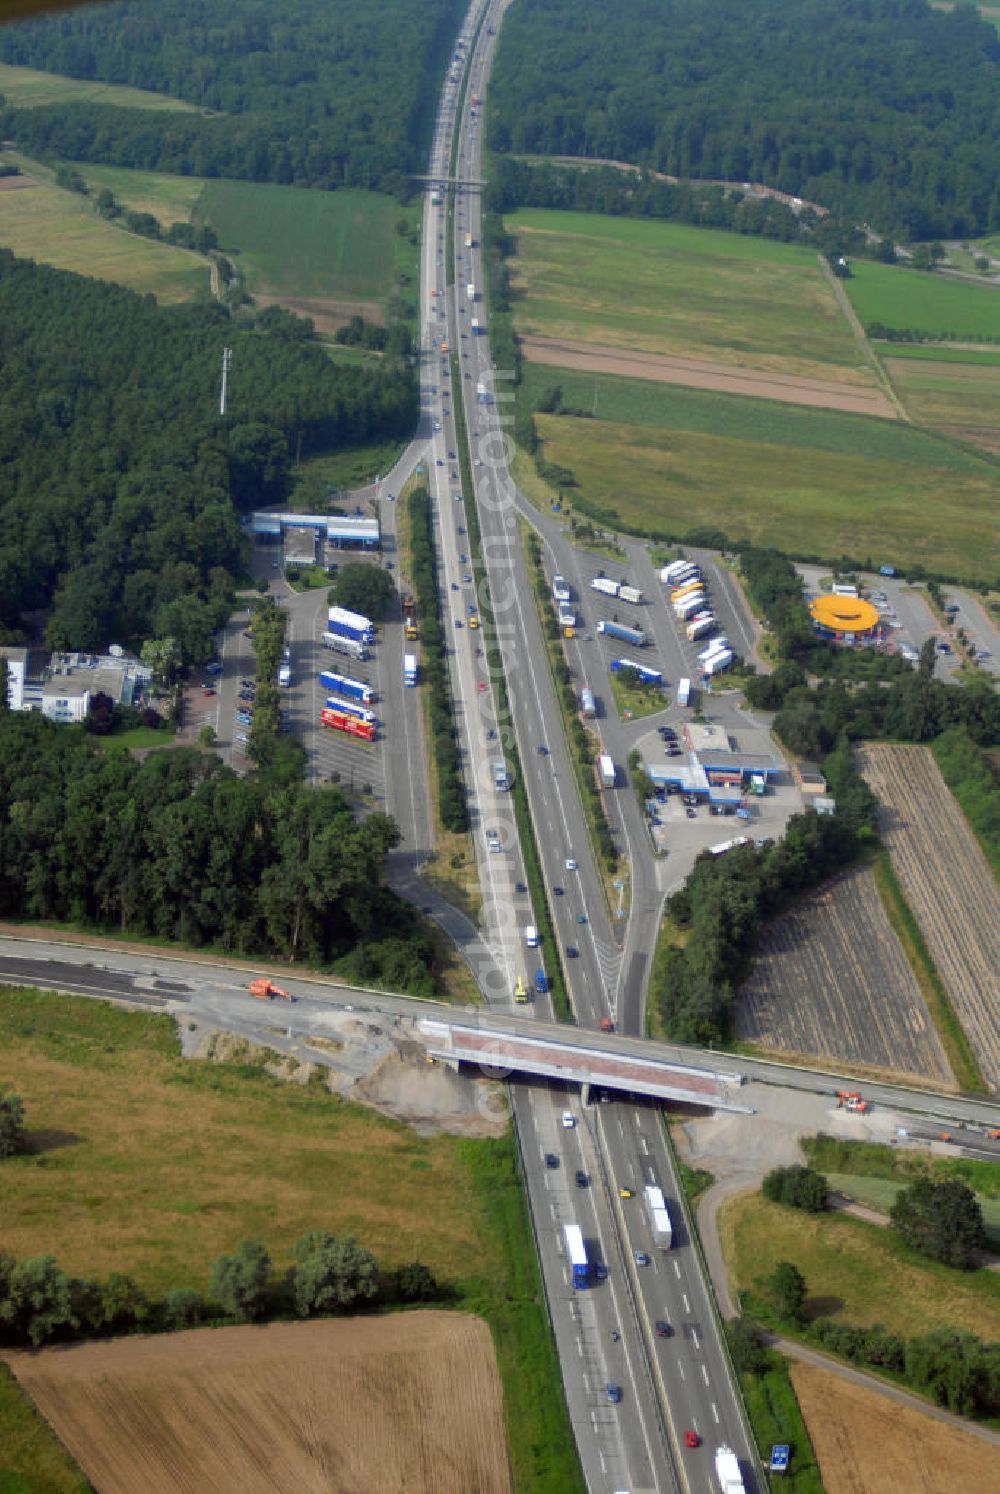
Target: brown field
[(326, 315), (702, 374), (408, 1402), (831, 981), (865, 1441), (948, 884)]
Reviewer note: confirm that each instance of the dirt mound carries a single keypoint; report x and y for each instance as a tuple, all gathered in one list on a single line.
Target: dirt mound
[(367, 1405)]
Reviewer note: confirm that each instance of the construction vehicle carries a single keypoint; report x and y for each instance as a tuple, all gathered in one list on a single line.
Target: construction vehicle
[(410, 618), (266, 990), (607, 1025), (520, 994), (849, 1099)]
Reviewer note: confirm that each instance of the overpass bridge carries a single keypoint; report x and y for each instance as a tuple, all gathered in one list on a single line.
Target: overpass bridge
[(442, 181), (578, 1057)]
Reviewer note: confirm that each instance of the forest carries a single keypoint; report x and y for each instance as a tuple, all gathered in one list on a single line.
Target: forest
[(178, 847), (883, 110), (121, 489), (319, 93)]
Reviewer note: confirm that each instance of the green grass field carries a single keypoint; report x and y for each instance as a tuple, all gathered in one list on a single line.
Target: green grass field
[(857, 1272), (151, 1164), (170, 199), (671, 289), (60, 228), (665, 459), (297, 242), (880, 1194), (25, 88), (939, 352), (924, 301), (957, 397)]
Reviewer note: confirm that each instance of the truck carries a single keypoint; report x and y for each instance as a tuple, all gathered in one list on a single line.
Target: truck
[(588, 705), (715, 647), (470, 242), (349, 646), (435, 198), (474, 326), (470, 291), (683, 691), (576, 1254), (284, 675), (630, 594), (659, 1216), (266, 990), (410, 618), (353, 709), (531, 936), (520, 994), (605, 585), (338, 720), (634, 636), (686, 609), (342, 684), (350, 624), (727, 1472), (541, 981), (567, 617), (677, 571), (647, 676), (501, 777), (560, 589), (482, 393), (728, 845), (717, 663), (409, 669), (606, 769), (701, 624), (685, 589)]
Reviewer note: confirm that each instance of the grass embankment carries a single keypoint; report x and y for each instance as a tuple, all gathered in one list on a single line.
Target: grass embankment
[(662, 460), (776, 1418), (322, 481), (958, 1051), (537, 890), (855, 1272), (27, 88), (672, 289), (59, 227), (151, 1164), (922, 302), (32, 1459)]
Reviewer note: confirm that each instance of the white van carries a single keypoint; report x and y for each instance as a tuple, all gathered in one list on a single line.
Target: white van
[(531, 936)]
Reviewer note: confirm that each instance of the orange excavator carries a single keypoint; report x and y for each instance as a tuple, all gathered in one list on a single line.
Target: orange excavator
[(265, 990), (849, 1099)]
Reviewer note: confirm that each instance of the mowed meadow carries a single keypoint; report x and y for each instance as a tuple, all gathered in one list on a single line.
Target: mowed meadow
[(27, 88), (676, 290), (663, 459)]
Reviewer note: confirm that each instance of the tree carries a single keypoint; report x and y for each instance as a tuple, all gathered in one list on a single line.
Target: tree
[(332, 1273), (183, 1308), (240, 1281), (787, 1288), (37, 1302), (163, 655), (206, 736), (100, 714), (122, 1304), (745, 1346), (415, 1283), (799, 1187), (363, 588), (941, 1219), (11, 1125)]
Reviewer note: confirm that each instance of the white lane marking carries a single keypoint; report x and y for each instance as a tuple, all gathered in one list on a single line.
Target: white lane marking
[(677, 1271), (680, 1369), (579, 1345), (697, 1340), (645, 1145), (715, 1413), (638, 1120), (704, 1374), (687, 1305)]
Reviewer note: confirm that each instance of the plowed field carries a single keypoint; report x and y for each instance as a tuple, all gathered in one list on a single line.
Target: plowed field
[(831, 981), (948, 884), (864, 1441), (411, 1402)]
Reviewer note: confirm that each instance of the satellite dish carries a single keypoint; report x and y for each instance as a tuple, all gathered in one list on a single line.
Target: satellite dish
[(116, 651)]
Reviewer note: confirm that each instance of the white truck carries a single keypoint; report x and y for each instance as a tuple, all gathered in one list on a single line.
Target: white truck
[(606, 768), (689, 605), (474, 326), (470, 291), (683, 691), (605, 585), (700, 625), (659, 1216), (717, 663), (501, 778), (727, 1471), (470, 242), (560, 589), (715, 647), (630, 594)]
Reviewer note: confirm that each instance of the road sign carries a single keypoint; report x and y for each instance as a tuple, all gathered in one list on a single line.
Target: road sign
[(779, 1458)]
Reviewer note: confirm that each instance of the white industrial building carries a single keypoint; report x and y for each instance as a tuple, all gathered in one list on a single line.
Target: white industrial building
[(17, 670), (71, 681)]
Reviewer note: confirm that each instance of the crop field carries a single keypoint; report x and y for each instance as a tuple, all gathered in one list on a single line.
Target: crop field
[(855, 1272), (961, 399), (948, 885), (338, 247), (662, 459), (375, 1406), (25, 88), (60, 228), (675, 290), (831, 981), (865, 1441), (921, 300)]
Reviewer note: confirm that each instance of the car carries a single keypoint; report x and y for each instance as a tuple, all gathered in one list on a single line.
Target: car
[(571, 951), (457, 497), (458, 622), (662, 1329), (208, 690), (463, 560), (440, 462), (691, 1439), (581, 918), (692, 814), (479, 461), (520, 887), (551, 1160), (214, 668), (626, 1193), (459, 529), (673, 752), (543, 750), (614, 1393), (482, 687), (717, 809), (390, 497), (466, 578), (451, 454), (558, 891), (641, 1258), (600, 1271), (570, 863), (944, 648), (454, 586), (437, 425), (275, 564), (581, 1178), (568, 1120)]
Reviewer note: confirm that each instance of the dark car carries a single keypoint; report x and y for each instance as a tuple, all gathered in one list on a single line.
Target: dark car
[(520, 887), (614, 1394), (581, 1178), (662, 1329), (551, 1160), (451, 456), (558, 891), (600, 1271), (692, 814), (571, 951)]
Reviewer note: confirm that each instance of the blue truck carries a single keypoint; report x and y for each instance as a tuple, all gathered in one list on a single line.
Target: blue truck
[(634, 636), (541, 982), (350, 625), (576, 1254), (342, 684), (647, 675)]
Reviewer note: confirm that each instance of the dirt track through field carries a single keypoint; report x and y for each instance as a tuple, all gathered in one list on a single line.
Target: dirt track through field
[(831, 981), (948, 884), (697, 373), (410, 1402)]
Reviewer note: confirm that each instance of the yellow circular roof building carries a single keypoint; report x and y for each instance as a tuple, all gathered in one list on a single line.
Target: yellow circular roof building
[(852, 616)]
